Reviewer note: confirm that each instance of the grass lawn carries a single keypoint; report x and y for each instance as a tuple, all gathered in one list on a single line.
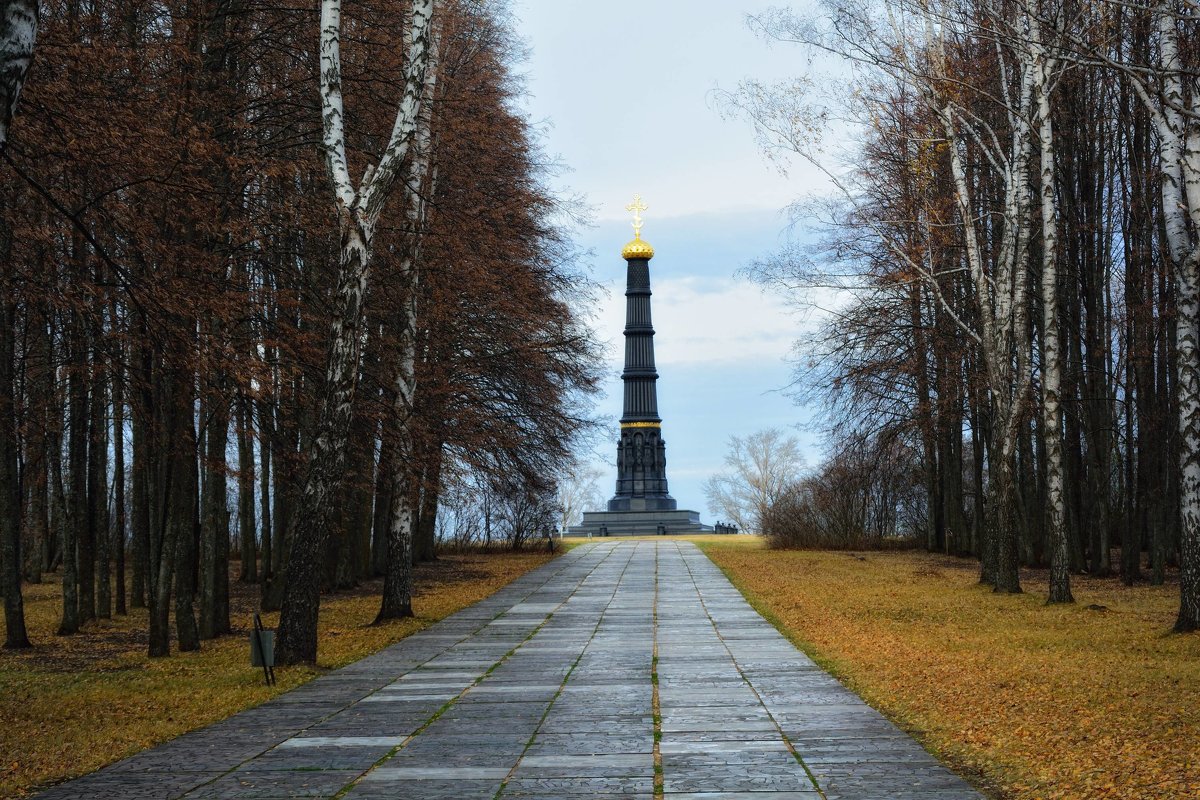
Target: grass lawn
[(1094, 701), (73, 704)]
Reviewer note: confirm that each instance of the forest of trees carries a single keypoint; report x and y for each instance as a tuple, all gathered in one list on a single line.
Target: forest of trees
[(1018, 229), (272, 282)]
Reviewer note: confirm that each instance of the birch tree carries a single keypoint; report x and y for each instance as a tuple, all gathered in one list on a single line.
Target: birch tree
[(1001, 283), (578, 491), (18, 32), (1045, 191), (1168, 87), (919, 45), (1044, 67), (194, 271), (397, 585), (1170, 91), (359, 207)]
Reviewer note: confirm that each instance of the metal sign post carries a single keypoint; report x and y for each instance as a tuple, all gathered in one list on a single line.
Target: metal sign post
[(262, 650)]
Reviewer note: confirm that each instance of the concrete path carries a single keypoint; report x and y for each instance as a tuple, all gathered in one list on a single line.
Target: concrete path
[(549, 689)]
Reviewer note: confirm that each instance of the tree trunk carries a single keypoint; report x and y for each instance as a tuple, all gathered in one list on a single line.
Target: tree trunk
[(245, 433), (1187, 322), (297, 639), (144, 473), (214, 530), (174, 410), (182, 513), (15, 636), (43, 407), (284, 445), (1030, 492), (353, 508), (284, 434), (431, 489), (1052, 417), (382, 516), (98, 517), (86, 480), (1179, 151), (923, 414), (18, 31), (76, 521), (1162, 534), (264, 492), (1146, 486), (397, 583), (1002, 506), (118, 538)]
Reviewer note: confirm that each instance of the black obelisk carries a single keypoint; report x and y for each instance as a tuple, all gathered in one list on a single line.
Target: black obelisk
[(641, 453)]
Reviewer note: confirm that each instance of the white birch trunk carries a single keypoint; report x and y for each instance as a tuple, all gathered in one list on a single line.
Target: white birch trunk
[(18, 32), (1179, 157), (358, 212), (1002, 295), (1043, 67), (398, 588), (1179, 151)]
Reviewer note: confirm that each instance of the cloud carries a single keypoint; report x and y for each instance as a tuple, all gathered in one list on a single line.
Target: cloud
[(705, 320)]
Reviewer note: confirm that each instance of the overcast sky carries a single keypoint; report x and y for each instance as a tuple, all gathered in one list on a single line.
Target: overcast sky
[(625, 89)]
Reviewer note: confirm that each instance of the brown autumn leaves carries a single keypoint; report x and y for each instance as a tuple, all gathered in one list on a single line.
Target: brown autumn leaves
[(169, 252)]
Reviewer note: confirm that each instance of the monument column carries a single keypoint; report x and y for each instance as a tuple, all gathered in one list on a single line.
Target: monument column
[(641, 453)]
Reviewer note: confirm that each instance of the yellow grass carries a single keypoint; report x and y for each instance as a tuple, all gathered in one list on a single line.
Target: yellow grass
[(74, 704), (1031, 701)]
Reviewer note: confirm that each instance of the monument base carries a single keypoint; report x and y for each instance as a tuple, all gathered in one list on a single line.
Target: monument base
[(639, 523), (656, 504)]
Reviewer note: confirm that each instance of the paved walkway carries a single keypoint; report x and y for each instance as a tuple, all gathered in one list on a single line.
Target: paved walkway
[(548, 689)]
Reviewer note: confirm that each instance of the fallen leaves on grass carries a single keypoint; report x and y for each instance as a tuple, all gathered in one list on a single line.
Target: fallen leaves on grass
[(75, 703), (1038, 702)]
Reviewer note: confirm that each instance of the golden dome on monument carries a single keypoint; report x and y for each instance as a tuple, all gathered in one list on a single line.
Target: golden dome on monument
[(637, 249)]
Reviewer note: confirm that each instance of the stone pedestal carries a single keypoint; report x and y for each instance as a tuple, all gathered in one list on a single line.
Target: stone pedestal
[(639, 523)]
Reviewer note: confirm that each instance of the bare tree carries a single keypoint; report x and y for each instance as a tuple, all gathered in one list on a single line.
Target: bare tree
[(525, 512), (985, 117), (1160, 71), (759, 469), (1170, 91), (578, 491), (169, 281), (861, 496)]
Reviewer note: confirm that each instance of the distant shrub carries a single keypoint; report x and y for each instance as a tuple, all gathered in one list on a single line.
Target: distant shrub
[(863, 498)]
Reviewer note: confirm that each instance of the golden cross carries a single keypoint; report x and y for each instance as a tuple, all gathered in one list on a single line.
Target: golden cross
[(637, 207)]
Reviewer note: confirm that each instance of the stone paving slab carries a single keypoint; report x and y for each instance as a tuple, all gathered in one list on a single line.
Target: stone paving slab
[(582, 678)]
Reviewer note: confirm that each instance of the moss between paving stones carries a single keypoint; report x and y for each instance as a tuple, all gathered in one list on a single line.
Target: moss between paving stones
[(1094, 700), (73, 704)]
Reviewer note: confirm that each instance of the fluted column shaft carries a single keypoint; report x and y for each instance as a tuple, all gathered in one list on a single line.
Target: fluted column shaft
[(641, 453)]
